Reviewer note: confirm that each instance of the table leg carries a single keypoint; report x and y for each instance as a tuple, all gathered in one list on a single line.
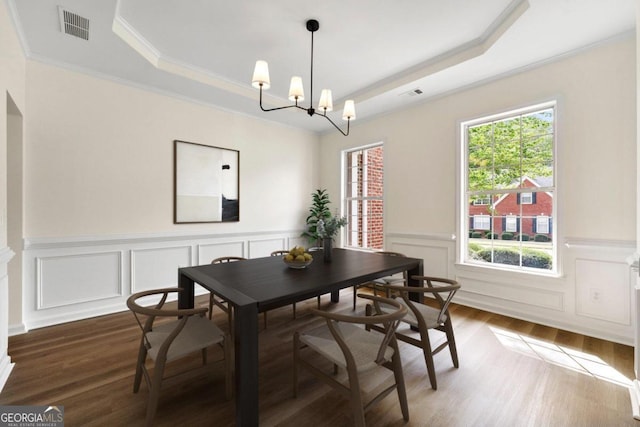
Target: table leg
[(418, 270), (246, 364), (335, 296), (186, 297)]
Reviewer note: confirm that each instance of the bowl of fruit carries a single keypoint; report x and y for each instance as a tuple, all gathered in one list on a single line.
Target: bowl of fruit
[(297, 258)]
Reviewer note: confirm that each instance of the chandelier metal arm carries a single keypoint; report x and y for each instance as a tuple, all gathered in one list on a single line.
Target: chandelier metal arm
[(336, 126), (309, 111), (278, 108)]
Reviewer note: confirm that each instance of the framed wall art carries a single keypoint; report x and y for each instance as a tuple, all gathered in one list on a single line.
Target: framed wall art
[(206, 183)]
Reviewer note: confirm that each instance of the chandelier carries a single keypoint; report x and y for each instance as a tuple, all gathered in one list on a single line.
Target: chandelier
[(296, 92)]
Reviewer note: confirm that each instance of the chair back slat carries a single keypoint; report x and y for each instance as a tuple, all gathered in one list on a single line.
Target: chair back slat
[(224, 259)]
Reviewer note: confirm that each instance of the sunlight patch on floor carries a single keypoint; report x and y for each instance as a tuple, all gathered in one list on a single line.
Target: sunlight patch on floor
[(575, 360)]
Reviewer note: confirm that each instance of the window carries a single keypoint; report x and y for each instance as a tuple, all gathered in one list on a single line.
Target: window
[(482, 222), (511, 224), (482, 202), (363, 201), (542, 224), (526, 198), (508, 187)]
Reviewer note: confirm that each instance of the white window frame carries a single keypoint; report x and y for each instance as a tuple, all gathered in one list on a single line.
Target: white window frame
[(348, 199), (463, 204), (526, 198)]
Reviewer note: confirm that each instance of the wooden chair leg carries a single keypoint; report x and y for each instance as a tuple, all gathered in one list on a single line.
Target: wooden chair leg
[(356, 398), (452, 342), (355, 296), (142, 357), (294, 310), (154, 393), (398, 375), (428, 358), (318, 302)]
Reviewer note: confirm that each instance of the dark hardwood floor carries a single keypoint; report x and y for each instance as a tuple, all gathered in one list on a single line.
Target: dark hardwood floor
[(512, 373)]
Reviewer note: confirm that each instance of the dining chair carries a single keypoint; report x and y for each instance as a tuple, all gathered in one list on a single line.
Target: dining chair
[(346, 344), (424, 318), (377, 285), (169, 340), (282, 253), (222, 304)]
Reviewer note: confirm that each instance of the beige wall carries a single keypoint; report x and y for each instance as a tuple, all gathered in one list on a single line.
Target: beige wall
[(99, 159), (596, 120)]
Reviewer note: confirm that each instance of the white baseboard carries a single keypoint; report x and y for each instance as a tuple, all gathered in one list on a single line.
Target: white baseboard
[(5, 369), (17, 329)]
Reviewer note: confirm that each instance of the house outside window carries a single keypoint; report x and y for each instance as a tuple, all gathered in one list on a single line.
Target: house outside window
[(363, 201), (509, 159)]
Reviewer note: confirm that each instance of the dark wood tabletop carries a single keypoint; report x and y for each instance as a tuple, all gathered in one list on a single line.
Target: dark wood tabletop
[(260, 284)]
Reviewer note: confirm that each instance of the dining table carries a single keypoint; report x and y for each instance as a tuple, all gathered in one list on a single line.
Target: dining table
[(256, 285)]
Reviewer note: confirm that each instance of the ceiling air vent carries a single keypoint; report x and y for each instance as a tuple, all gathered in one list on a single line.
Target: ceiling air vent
[(412, 92), (73, 24)]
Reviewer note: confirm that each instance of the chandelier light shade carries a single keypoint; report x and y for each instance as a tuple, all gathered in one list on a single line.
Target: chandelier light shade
[(261, 75), (326, 103), (296, 90), (349, 112)]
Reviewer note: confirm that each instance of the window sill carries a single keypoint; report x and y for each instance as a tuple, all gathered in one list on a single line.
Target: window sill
[(492, 269)]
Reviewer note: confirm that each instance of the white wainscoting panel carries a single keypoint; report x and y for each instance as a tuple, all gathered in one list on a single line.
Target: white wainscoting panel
[(507, 292), (602, 290), (264, 247), (158, 267), (67, 279), (591, 296), (210, 251), (436, 258), (74, 279)]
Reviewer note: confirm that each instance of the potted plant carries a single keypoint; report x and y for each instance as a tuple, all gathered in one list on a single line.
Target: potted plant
[(319, 210), (327, 230)]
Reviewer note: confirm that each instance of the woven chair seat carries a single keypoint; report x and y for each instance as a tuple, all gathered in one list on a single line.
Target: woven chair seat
[(363, 345), (198, 333)]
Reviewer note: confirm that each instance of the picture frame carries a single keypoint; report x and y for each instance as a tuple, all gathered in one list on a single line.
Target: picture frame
[(206, 183)]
